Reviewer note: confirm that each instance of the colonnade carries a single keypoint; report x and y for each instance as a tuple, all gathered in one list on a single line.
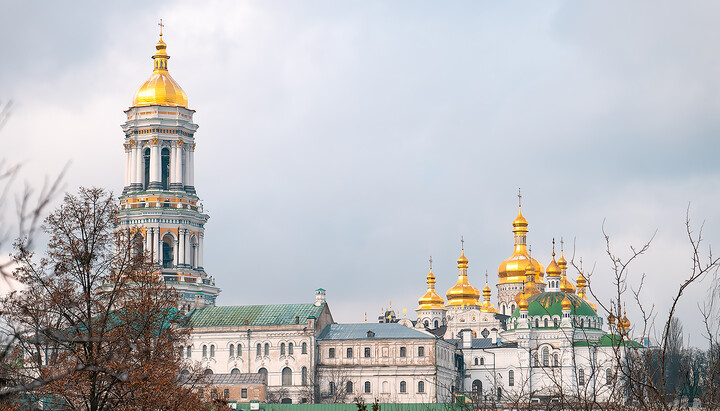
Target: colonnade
[(186, 252), (181, 168)]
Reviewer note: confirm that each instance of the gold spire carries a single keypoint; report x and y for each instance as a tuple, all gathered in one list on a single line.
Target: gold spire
[(462, 293), (160, 89), (431, 300), (487, 306), (514, 268)]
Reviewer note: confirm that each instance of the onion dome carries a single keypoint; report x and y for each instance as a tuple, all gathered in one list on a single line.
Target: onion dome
[(487, 306), (523, 304), (624, 323), (462, 293), (562, 262), (565, 285), (513, 269), (431, 300), (160, 89), (611, 319), (530, 288), (553, 269), (566, 304), (581, 285)]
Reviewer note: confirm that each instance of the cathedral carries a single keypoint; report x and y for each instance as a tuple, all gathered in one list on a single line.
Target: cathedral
[(542, 329)]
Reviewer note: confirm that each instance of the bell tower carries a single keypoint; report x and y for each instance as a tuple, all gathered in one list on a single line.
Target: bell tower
[(159, 200)]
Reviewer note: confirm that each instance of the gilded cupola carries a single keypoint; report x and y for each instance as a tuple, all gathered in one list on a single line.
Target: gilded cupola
[(431, 300), (487, 306), (463, 293), (160, 89), (514, 268), (529, 288), (581, 286)]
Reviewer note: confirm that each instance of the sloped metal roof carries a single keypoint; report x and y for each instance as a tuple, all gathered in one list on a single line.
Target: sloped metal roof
[(241, 315), (379, 330), (232, 379)]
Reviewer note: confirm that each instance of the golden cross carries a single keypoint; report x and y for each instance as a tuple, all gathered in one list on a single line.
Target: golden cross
[(519, 198), (462, 242), (562, 244), (430, 263), (161, 26)]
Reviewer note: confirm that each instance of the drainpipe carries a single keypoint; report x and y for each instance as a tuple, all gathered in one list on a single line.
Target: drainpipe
[(249, 350)]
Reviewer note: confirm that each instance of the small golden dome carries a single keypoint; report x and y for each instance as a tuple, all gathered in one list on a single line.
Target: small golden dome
[(160, 89), (431, 300), (553, 269), (581, 283), (523, 304), (487, 306), (513, 269), (520, 223), (462, 261), (462, 293), (530, 288), (562, 262), (624, 323), (566, 286), (566, 304), (486, 289), (611, 319)]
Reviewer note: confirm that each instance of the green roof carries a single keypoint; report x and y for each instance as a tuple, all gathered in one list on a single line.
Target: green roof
[(609, 340), (550, 303), (241, 315)]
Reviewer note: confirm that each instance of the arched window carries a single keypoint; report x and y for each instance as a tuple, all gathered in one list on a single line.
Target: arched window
[(212, 351), (512, 308), (421, 386), (403, 387), (188, 351), (556, 360), (286, 376), (367, 386), (503, 309), (545, 321), (511, 378), (477, 386), (165, 167), (264, 373), (546, 357), (581, 377), (482, 360), (555, 322), (332, 387), (608, 377), (537, 323), (146, 164), (303, 376), (385, 387), (232, 350), (582, 323), (436, 324), (259, 349), (193, 251), (403, 352), (304, 348), (499, 391), (426, 323), (239, 350), (167, 251), (282, 348), (267, 349), (349, 387), (208, 371), (204, 350), (184, 375), (235, 371), (476, 361), (290, 348)]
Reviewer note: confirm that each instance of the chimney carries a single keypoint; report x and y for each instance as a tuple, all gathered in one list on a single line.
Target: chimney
[(319, 297), (466, 339), (494, 336)]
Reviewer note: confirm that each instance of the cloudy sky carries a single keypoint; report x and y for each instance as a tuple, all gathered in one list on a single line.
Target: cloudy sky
[(343, 143)]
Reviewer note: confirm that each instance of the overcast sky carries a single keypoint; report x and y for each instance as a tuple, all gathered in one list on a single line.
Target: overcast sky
[(343, 143)]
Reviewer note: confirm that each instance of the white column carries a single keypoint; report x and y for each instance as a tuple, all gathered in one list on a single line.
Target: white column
[(188, 248), (133, 165), (181, 246), (146, 240), (176, 250), (139, 166), (158, 246), (191, 168), (173, 159), (154, 182), (128, 162), (179, 166), (151, 242), (201, 235)]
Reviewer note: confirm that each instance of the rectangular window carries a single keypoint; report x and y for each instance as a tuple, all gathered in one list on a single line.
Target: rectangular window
[(243, 393), (226, 393), (367, 352), (349, 353), (331, 353), (581, 377), (421, 351), (403, 352)]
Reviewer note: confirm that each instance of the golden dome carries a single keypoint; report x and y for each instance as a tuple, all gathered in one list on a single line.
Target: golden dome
[(553, 269), (431, 300), (581, 284), (624, 323), (530, 288), (514, 268), (160, 89), (487, 306), (566, 304), (462, 293), (562, 262), (523, 304), (566, 286)]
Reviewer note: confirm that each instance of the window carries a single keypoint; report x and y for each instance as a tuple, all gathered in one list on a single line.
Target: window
[(545, 321), (537, 323), (546, 357), (556, 360), (226, 393), (146, 163), (232, 350), (167, 251), (259, 350), (267, 349), (367, 355), (303, 376), (476, 361), (264, 373), (212, 351), (536, 363), (403, 387), (427, 323), (188, 352), (403, 352), (555, 322), (290, 349), (243, 393), (385, 387), (165, 167), (482, 360), (331, 353), (608, 377), (421, 351), (511, 378), (421, 386), (581, 377), (582, 323), (239, 350), (367, 386), (282, 348), (349, 387), (304, 348), (348, 354), (477, 386), (332, 387), (286, 377), (436, 324), (204, 350), (235, 371), (499, 393), (208, 372)]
